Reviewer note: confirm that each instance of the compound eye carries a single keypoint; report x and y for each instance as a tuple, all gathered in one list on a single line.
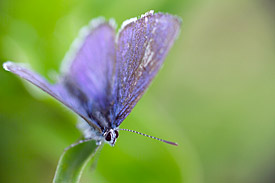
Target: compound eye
[(116, 132), (108, 137)]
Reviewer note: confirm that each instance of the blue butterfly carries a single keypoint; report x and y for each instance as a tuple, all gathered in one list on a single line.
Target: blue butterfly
[(105, 74)]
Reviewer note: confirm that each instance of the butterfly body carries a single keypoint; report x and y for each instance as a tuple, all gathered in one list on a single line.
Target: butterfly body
[(102, 119), (105, 74)]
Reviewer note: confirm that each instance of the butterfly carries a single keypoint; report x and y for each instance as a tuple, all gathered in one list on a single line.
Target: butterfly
[(105, 74)]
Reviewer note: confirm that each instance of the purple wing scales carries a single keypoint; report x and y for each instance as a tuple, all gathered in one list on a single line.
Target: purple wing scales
[(57, 91), (142, 47), (93, 67), (103, 84), (88, 79), (92, 71)]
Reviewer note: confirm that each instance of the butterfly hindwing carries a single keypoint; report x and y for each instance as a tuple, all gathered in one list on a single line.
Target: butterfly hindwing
[(57, 91), (87, 82)]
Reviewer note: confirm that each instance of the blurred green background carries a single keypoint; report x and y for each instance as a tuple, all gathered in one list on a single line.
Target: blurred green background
[(215, 95)]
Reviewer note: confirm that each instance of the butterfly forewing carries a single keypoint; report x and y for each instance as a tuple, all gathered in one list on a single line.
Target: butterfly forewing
[(90, 74), (142, 48), (92, 69)]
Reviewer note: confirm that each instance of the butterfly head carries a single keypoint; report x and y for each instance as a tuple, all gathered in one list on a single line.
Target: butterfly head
[(110, 136)]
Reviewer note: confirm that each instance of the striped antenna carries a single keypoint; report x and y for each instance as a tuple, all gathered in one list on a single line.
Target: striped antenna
[(168, 142)]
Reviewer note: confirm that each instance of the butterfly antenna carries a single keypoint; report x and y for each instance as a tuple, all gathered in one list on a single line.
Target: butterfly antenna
[(168, 142)]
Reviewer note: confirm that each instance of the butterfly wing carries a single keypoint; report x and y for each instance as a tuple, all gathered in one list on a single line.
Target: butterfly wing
[(91, 71), (92, 68), (142, 46), (88, 73), (57, 91)]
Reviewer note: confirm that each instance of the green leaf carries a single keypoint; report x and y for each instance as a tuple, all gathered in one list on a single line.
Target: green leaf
[(73, 161)]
